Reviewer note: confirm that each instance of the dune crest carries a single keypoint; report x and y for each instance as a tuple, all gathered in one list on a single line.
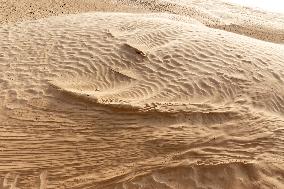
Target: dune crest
[(222, 78)]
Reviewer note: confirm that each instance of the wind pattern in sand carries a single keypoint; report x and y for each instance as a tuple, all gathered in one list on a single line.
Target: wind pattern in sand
[(178, 96)]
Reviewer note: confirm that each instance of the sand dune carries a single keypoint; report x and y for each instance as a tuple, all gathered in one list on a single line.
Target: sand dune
[(164, 99), (221, 15)]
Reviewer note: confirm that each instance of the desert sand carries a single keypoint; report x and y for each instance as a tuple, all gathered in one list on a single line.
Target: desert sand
[(156, 94)]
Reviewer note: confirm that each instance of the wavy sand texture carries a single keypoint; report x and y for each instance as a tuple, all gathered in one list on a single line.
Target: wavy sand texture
[(221, 15), (215, 14), (123, 100)]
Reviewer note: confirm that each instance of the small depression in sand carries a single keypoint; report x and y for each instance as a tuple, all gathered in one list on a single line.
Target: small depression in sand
[(148, 100)]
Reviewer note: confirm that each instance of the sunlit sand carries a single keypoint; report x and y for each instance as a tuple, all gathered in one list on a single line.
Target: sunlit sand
[(141, 94)]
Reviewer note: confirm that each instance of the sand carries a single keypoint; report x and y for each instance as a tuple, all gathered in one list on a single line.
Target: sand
[(141, 94)]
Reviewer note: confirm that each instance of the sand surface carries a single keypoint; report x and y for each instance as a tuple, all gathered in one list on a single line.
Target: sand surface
[(156, 94)]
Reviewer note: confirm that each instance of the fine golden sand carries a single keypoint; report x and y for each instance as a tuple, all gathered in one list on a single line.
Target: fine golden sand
[(156, 94)]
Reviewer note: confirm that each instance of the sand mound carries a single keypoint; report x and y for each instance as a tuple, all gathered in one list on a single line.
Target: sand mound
[(266, 26), (220, 15), (177, 67), (124, 100)]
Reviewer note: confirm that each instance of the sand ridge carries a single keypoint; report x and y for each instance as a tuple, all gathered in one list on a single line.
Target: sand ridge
[(242, 20), (148, 100)]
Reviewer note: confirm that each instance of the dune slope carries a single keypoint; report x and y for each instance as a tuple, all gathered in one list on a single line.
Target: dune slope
[(124, 100)]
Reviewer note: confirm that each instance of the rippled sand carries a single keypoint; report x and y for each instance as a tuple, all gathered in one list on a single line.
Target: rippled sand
[(160, 95)]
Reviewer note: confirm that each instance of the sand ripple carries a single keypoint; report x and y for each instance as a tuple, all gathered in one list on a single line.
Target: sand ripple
[(156, 100)]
